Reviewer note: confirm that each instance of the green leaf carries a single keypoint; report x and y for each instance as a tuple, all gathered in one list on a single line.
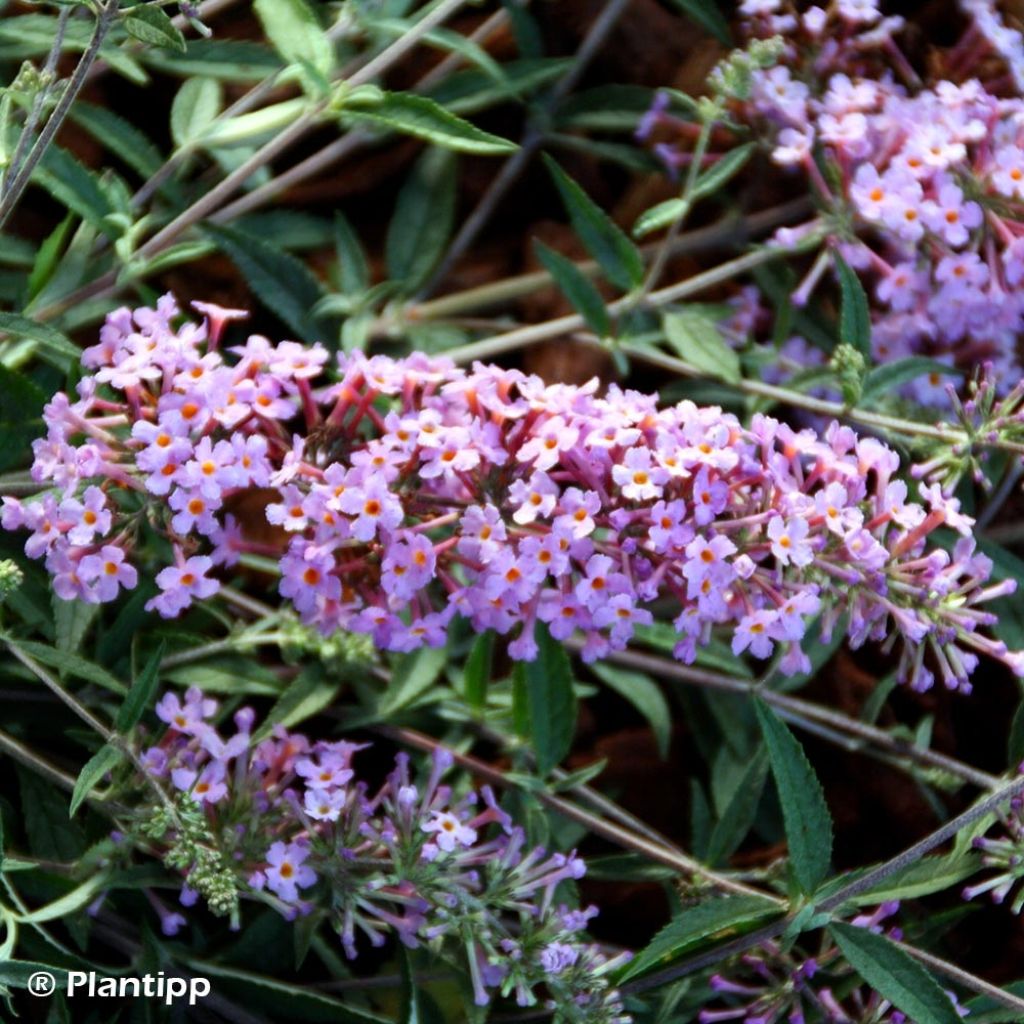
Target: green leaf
[(577, 288), (51, 833), (738, 817), (714, 920), (280, 1001), (74, 186), (722, 171), (693, 333), (550, 700), (889, 376), (353, 270), (604, 239), (152, 25), (16, 973), (48, 256), (929, 875), (804, 811), (424, 213), (414, 674), (73, 664), (20, 415), (660, 216), (195, 107), (708, 15), (71, 621), (56, 348), (894, 975), (295, 32), (644, 694), (308, 694), (119, 136), (854, 315), (477, 673), (92, 773), (281, 282), (141, 693), (425, 119)]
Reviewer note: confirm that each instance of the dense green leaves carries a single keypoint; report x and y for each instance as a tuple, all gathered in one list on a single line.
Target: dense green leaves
[(804, 811), (895, 975), (605, 241)]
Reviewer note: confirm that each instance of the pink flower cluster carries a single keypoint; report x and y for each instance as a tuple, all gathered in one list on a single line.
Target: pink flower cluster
[(414, 491), (926, 185), (921, 189)]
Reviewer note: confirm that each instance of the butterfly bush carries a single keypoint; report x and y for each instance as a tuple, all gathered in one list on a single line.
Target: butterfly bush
[(920, 188), (774, 984), (412, 491), (273, 816)]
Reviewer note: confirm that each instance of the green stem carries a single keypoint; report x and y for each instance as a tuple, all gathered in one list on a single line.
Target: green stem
[(20, 182), (658, 266), (523, 337), (30, 759)]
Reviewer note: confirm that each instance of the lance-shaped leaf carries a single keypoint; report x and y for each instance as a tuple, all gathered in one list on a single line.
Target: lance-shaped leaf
[(604, 239), (804, 811)]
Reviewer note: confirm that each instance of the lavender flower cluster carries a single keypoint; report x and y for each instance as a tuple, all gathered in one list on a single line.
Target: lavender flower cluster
[(773, 984), (1003, 852), (301, 833), (921, 188), (415, 491)]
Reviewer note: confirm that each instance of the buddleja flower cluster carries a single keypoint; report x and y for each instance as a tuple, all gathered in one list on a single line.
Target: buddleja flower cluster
[(772, 984), (413, 491), (1003, 852), (921, 188), (299, 831)]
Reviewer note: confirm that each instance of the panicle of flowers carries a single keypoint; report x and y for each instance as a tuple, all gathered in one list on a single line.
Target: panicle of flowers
[(410, 859), (412, 491), (1005, 853), (770, 985), (921, 188)]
